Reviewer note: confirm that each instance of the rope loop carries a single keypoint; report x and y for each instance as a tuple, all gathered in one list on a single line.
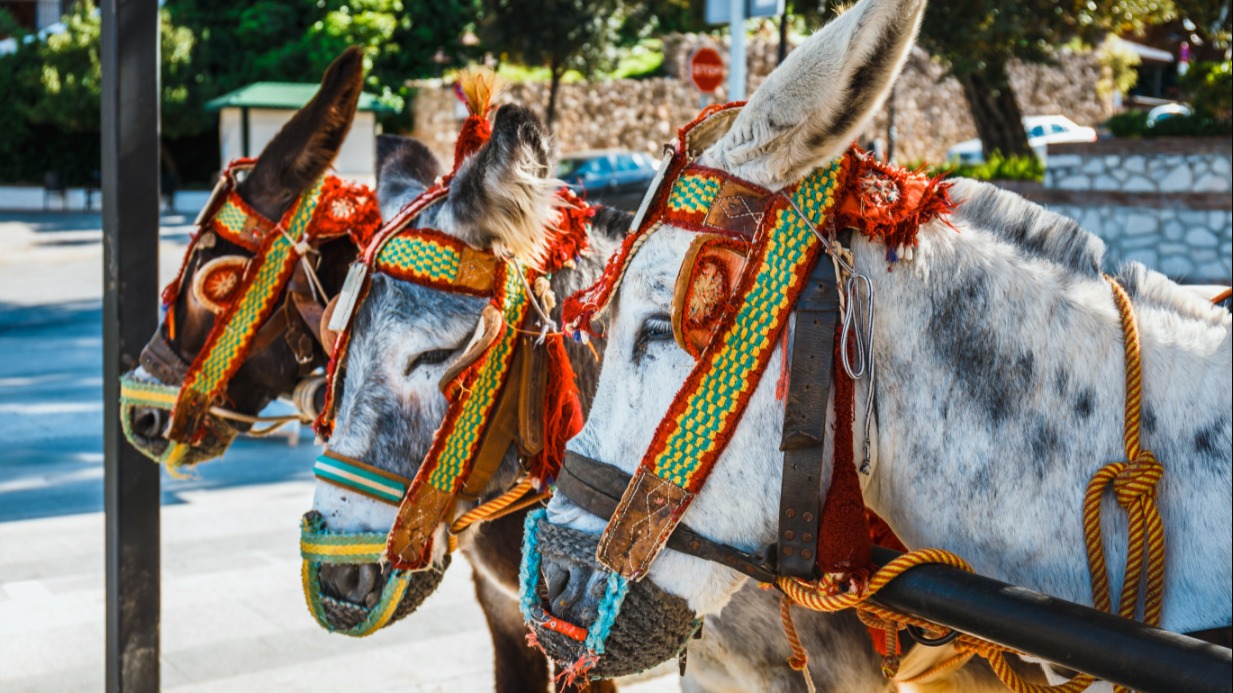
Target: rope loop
[(1136, 482)]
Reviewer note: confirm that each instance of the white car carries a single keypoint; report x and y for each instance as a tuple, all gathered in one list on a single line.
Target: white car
[(1041, 131)]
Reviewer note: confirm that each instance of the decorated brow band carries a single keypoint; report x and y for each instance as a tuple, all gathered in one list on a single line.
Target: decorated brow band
[(682, 194)]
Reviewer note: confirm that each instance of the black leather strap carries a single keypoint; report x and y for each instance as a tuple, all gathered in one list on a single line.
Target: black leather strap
[(597, 488), (804, 423)]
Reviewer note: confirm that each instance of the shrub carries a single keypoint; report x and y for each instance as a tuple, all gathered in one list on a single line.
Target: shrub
[(1128, 124), (997, 167)]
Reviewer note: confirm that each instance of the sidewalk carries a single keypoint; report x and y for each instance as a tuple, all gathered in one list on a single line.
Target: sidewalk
[(30, 198)]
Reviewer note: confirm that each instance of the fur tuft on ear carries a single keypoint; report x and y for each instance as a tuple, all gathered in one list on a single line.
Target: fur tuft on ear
[(814, 104), (305, 147), (503, 197)]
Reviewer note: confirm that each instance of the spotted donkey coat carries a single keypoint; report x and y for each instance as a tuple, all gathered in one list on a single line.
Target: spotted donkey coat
[(1000, 372)]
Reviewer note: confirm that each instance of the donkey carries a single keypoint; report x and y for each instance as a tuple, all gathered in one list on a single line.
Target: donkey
[(286, 348), (405, 337), (995, 339)]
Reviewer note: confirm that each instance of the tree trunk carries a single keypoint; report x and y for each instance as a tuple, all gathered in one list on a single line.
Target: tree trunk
[(552, 92), (999, 122), (783, 35)]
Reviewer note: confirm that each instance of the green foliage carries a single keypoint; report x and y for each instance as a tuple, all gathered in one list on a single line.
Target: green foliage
[(1209, 87), (1117, 67), (1131, 123), (996, 167), (295, 40), (972, 34)]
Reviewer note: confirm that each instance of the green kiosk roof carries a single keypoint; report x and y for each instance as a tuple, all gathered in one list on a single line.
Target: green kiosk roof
[(288, 95)]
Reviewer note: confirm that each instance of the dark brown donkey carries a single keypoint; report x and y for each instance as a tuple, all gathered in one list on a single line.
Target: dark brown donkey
[(286, 348)]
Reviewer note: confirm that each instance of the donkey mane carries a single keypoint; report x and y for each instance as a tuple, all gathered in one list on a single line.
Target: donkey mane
[(1064, 242), (1029, 227)]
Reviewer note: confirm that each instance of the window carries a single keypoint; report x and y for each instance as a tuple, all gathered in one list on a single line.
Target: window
[(1036, 131)]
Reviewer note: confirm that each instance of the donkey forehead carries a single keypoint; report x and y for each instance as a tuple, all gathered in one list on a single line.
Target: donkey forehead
[(651, 275), (396, 312)]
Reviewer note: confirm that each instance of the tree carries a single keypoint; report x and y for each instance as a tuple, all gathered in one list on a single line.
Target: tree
[(558, 34), (295, 40), (977, 39)]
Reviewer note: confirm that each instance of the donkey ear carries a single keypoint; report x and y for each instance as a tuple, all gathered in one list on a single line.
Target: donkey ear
[(304, 148), (502, 196), (811, 107), (405, 168)]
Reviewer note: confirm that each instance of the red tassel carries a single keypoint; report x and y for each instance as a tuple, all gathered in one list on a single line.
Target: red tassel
[(562, 411), (843, 544), (475, 132)]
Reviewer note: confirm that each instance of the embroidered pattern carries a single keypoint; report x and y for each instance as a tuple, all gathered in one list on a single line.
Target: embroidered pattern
[(229, 341), (713, 398), (454, 444), (425, 257)]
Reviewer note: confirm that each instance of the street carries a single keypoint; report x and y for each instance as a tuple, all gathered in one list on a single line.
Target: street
[(233, 616)]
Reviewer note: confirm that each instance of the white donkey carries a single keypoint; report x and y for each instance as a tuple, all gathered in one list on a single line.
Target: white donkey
[(999, 373)]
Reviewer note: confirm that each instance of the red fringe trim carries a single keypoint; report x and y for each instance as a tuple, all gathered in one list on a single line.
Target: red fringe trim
[(346, 208), (568, 239), (887, 203), (562, 411), (844, 545)]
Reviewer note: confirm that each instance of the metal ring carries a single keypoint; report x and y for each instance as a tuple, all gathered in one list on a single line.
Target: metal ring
[(921, 636)]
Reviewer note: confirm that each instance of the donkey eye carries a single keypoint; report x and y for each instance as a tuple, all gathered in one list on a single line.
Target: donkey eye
[(656, 328), (429, 358)]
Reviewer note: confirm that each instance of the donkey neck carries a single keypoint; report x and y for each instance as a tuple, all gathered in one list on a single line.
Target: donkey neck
[(1000, 389)]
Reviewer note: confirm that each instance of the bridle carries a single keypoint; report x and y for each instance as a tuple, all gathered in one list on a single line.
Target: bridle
[(757, 257), (267, 294), (512, 386)]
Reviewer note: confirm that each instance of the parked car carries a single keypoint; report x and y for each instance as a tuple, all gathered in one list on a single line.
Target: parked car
[(1041, 131), (614, 177), (1167, 110)]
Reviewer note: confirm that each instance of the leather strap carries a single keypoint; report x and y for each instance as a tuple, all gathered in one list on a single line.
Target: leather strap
[(531, 391), (804, 422), (597, 488), (499, 434)]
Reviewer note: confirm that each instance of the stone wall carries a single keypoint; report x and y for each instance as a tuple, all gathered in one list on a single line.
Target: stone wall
[(1166, 203), (931, 111)]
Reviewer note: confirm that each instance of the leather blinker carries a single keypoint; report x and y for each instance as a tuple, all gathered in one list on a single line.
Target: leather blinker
[(704, 287)]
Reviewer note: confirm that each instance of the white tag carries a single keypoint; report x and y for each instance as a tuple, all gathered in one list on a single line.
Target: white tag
[(653, 190), (347, 298)]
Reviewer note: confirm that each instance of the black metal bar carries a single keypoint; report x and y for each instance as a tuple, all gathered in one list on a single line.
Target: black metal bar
[(1079, 637), (129, 53)]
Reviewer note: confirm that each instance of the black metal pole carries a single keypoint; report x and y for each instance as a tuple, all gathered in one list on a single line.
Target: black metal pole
[(129, 53), (1131, 654)]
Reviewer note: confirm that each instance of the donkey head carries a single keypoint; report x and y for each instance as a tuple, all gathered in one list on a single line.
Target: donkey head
[(405, 339), (805, 114), (285, 347)]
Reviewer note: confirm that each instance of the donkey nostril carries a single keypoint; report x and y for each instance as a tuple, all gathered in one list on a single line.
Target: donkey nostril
[(148, 423), (557, 579)]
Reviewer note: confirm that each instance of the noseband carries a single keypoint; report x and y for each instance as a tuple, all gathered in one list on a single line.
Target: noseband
[(244, 296)]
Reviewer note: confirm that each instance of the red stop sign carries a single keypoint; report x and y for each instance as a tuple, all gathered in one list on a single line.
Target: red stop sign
[(706, 69)]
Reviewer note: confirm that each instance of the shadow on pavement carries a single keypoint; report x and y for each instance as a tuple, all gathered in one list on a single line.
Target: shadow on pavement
[(51, 415)]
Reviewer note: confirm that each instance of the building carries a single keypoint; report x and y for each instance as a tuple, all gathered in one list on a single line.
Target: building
[(249, 118)]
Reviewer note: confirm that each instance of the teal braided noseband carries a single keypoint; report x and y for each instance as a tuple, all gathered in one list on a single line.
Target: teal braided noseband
[(361, 478)]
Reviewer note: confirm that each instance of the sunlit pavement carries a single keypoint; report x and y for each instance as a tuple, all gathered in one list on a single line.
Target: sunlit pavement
[(233, 616)]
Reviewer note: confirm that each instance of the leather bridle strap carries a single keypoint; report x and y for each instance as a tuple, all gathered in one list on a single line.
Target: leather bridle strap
[(597, 488), (804, 421)]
